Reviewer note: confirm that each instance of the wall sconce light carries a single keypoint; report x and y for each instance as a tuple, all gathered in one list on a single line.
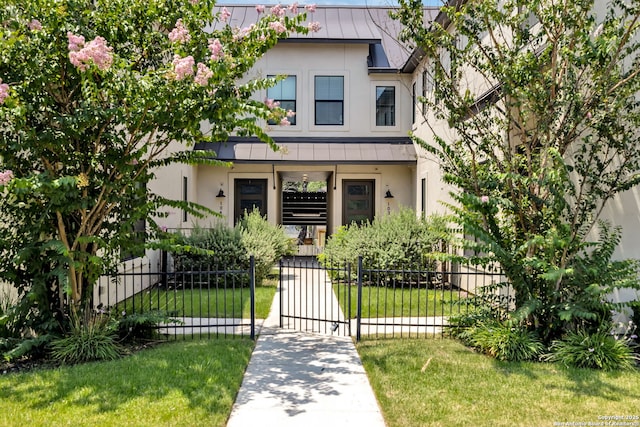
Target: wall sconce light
[(388, 196), (220, 196)]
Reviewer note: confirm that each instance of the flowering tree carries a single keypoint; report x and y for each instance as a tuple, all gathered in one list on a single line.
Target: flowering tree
[(542, 100), (93, 93)]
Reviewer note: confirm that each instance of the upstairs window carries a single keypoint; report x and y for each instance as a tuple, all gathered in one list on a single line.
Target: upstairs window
[(427, 89), (329, 100), (385, 106), (284, 92), (414, 103)]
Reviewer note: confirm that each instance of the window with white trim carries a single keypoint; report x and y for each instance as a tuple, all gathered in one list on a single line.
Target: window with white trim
[(284, 92), (329, 100), (385, 106)]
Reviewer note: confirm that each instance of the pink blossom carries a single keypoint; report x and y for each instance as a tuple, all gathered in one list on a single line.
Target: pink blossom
[(314, 27), (291, 113), (4, 91), (484, 199), (271, 104), (5, 177), (278, 27), (164, 228), (203, 75), (285, 122), (183, 66), (243, 32), (278, 11), (216, 49), (95, 51), (180, 33), (75, 42), (310, 8), (225, 14), (260, 8), (34, 25), (294, 7)]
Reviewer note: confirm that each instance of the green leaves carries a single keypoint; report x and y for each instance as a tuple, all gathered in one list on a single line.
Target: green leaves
[(83, 136), (538, 105)]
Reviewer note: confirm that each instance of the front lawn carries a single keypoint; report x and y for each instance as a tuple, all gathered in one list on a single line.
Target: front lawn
[(439, 382), (198, 302), (184, 383), (381, 301)]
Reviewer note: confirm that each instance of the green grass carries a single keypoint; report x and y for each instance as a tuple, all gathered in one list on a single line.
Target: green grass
[(396, 302), (439, 382), (184, 383), (202, 302)]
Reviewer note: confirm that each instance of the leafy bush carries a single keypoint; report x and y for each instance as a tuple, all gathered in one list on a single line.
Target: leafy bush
[(17, 340), (390, 241), (225, 248), (503, 340), (212, 249), (9, 329), (32, 347), (92, 337), (266, 242), (142, 326), (459, 325), (599, 350)]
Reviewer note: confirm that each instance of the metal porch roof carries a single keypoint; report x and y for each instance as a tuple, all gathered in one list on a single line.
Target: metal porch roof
[(316, 150)]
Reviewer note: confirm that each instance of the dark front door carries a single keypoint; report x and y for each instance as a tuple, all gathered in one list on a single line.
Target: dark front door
[(250, 194), (357, 202)]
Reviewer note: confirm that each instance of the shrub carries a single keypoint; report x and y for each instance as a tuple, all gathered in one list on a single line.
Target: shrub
[(142, 326), (265, 241), (9, 330), (459, 325), (390, 241), (92, 337), (17, 340), (503, 340), (212, 249), (599, 350)]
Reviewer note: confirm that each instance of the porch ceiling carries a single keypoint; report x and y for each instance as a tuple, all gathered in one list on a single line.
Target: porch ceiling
[(317, 151), (299, 176)]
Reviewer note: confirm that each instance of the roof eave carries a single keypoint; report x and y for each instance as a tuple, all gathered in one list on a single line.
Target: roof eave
[(384, 70)]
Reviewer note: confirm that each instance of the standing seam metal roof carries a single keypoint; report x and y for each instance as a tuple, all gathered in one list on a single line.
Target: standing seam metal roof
[(316, 150), (349, 24)]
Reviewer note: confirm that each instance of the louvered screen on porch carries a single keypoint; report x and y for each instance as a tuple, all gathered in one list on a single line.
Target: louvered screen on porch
[(309, 208)]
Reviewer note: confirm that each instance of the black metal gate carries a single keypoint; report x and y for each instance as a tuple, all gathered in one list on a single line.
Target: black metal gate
[(341, 299), (314, 298)]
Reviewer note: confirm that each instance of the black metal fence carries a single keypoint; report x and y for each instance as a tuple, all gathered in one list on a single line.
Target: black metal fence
[(419, 301), (416, 301), (339, 299), (206, 300)]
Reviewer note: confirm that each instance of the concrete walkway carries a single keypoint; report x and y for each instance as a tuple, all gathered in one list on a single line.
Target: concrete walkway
[(304, 379)]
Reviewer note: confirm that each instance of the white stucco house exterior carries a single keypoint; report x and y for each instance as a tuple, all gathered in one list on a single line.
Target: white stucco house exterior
[(355, 91), (354, 107)]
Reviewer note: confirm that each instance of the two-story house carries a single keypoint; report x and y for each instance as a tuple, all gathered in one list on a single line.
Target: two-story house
[(353, 108)]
